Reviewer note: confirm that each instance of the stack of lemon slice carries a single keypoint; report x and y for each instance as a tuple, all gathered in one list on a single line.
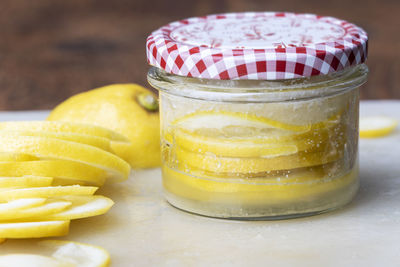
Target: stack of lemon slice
[(49, 172), (255, 158)]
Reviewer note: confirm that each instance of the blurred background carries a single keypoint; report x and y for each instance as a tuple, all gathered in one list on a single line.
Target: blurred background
[(50, 50)]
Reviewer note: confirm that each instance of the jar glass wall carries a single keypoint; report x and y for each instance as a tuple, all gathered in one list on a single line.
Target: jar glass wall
[(257, 149)]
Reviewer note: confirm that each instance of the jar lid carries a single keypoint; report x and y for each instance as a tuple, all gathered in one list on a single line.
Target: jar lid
[(257, 46)]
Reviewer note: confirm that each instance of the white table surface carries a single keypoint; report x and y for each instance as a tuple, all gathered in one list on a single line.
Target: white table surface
[(143, 230)]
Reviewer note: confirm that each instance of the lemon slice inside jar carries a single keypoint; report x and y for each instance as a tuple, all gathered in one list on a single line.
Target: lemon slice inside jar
[(235, 135), (254, 165), (253, 157), (231, 134), (305, 184), (220, 119)]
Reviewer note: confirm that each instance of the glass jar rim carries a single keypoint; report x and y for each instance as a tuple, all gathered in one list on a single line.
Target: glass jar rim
[(258, 90)]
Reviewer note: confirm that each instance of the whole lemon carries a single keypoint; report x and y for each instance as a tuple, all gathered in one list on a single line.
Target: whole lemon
[(128, 109)]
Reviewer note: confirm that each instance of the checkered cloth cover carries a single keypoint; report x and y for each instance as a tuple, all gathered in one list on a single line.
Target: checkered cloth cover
[(193, 47)]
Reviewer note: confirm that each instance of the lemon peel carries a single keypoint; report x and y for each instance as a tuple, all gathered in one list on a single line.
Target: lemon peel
[(377, 126), (60, 149), (34, 229)]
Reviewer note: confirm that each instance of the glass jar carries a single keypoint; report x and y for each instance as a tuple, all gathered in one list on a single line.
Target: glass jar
[(259, 148)]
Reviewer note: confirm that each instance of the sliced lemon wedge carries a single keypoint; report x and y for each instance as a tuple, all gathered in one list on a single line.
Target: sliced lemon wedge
[(96, 141), (25, 181), (63, 127), (67, 150), (31, 260), (46, 192), (18, 204), (377, 126), (33, 229), (78, 254), (35, 212), (82, 207), (69, 172)]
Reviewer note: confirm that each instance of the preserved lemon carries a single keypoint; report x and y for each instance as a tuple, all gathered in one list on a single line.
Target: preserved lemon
[(221, 159), (259, 112)]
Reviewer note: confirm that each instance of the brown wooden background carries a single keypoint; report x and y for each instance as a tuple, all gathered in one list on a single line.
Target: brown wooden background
[(51, 49)]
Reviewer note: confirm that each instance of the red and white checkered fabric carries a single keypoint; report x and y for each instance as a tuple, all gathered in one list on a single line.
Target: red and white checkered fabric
[(257, 46)]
